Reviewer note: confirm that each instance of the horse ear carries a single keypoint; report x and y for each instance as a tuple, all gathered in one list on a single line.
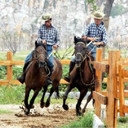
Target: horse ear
[(36, 44), (75, 40)]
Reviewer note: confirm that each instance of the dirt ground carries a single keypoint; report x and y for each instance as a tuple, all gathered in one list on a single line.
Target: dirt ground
[(52, 117)]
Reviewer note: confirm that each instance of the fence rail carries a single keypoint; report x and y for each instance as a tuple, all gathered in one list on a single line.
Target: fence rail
[(9, 62)]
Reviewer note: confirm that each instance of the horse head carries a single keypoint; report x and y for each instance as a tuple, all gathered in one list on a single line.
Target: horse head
[(78, 39), (80, 53), (40, 54)]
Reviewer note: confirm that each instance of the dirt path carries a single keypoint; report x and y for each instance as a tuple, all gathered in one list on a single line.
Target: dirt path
[(52, 117)]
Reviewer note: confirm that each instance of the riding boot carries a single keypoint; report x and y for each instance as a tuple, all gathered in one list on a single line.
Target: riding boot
[(49, 81), (22, 78), (71, 66)]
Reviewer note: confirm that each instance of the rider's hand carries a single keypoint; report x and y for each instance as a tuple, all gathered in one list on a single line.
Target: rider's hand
[(55, 47), (84, 37), (44, 41), (91, 39), (98, 43)]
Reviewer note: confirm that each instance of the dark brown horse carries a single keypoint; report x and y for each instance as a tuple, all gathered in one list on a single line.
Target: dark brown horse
[(36, 76), (82, 76)]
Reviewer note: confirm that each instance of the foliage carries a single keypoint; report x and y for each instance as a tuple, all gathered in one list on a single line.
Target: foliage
[(93, 3), (122, 119), (64, 54), (2, 72), (117, 9), (17, 71), (83, 122), (11, 94)]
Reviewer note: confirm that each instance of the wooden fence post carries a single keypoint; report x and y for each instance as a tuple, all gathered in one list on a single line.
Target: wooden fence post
[(9, 67), (111, 107), (121, 91), (99, 57)]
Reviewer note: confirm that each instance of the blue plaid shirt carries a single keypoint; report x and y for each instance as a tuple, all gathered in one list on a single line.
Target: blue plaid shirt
[(98, 32), (49, 34), (94, 31)]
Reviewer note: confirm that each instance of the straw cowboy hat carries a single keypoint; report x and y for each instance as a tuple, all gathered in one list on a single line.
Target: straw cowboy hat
[(46, 17), (98, 15)]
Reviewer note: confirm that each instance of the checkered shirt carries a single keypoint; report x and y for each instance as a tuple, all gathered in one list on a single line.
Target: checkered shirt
[(93, 30), (49, 34)]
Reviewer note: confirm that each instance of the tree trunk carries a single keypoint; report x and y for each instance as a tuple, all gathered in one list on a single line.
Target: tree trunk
[(107, 11)]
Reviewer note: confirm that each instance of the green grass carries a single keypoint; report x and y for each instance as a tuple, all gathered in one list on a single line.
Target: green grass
[(83, 122), (15, 95), (11, 94), (5, 112)]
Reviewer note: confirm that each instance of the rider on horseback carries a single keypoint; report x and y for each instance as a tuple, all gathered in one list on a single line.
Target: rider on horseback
[(48, 35), (96, 34)]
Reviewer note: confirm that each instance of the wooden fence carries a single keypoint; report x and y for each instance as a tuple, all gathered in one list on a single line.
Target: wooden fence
[(114, 96), (10, 63)]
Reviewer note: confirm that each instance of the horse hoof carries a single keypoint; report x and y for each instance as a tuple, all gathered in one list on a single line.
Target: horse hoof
[(42, 105), (65, 107), (47, 104), (83, 111), (26, 112), (32, 106), (79, 114)]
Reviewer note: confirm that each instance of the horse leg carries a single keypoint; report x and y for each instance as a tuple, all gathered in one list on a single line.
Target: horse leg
[(48, 100), (53, 88), (65, 106), (31, 102), (27, 92), (78, 108), (42, 104), (88, 100), (57, 91)]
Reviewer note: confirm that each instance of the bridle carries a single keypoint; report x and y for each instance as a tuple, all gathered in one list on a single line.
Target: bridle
[(40, 56), (83, 59)]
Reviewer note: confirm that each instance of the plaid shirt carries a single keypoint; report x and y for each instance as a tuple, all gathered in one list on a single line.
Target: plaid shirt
[(49, 34), (96, 31)]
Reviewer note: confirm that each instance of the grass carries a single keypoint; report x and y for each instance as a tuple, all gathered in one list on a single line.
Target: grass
[(5, 112), (83, 122), (15, 94), (123, 122)]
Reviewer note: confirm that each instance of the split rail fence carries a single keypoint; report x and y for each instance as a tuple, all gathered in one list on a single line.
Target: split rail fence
[(10, 63)]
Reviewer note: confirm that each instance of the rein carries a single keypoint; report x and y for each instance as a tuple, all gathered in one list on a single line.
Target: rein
[(36, 57), (81, 76)]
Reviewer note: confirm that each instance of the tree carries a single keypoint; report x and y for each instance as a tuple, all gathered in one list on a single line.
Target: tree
[(107, 11), (107, 6)]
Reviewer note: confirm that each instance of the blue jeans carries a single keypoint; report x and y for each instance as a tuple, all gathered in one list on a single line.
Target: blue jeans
[(50, 58)]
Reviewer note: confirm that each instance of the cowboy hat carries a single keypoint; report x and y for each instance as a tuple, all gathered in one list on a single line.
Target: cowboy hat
[(98, 15), (46, 17)]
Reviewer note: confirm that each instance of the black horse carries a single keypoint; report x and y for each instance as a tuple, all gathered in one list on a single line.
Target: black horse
[(36, 77), (82, 76)]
